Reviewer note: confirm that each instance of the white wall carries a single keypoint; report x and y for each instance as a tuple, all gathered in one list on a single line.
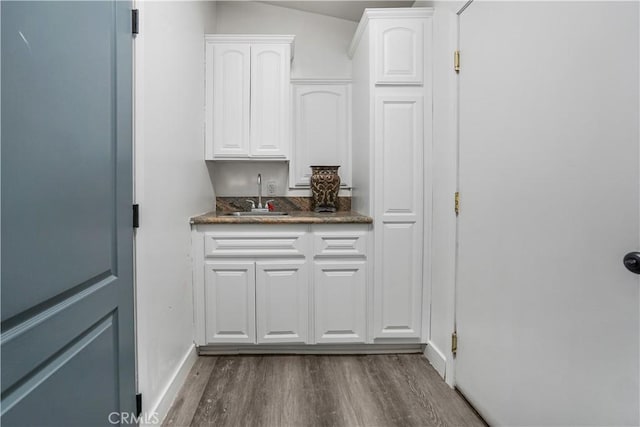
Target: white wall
[(172, 184), (321, 41)]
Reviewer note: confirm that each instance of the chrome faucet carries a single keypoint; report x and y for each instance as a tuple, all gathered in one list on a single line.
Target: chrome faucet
[(259, 207), (259, 191)]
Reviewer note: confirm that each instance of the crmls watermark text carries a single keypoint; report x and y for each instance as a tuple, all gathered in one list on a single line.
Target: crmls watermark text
[(118, 418)]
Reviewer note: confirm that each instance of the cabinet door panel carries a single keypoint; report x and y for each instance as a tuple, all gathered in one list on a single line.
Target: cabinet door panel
[(230, 302), (399, 51), (282, 301), (228, 94), (340, 301), (398, 296), (399, 140), (321, 131), (399, 164), (270, 100)]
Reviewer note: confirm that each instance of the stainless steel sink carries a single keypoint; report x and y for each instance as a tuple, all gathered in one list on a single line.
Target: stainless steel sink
[(257, 214)]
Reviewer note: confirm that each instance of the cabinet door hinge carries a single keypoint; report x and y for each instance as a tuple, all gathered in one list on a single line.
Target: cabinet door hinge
[(136, 216), (135, 21), (456, 61), (456, 202), (454, 343), (138, 404)]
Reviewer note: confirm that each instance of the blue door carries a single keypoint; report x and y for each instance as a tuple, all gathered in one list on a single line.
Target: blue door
[(67, 338)]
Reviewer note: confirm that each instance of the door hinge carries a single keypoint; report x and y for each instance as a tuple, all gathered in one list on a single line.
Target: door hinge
[(136, 216), (135, 21), (454, 343), (456, 61), (138, 404), (457, 202)]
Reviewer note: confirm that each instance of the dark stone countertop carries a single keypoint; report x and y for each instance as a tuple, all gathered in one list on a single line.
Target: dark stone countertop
[(294, 217)]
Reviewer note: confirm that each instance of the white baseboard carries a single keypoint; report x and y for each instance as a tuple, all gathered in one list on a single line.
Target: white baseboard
[(436, 358), (218, 349), (161, 407)]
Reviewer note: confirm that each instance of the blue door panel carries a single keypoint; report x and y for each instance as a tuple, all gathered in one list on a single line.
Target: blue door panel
[(67, 333), (52, 330), (48, 398), (58, 81)]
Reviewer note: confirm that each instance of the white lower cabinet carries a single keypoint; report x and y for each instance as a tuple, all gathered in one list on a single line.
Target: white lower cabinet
[(230, 302), (263, 302), (340, 301), (282, 301), (281, 284)]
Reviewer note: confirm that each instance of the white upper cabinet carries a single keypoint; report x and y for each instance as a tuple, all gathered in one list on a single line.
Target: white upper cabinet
[(247, 97), (399, 40), (321, 129), (399, 51), (228, 100), (270, 100)]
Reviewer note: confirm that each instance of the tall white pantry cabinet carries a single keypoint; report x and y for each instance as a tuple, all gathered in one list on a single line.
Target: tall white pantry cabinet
[(391, 151)]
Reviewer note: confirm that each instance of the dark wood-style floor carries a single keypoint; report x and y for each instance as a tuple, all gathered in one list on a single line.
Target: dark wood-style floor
[(380, 390)]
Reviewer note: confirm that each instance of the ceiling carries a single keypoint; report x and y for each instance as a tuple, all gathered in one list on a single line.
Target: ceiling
[(351, 10)]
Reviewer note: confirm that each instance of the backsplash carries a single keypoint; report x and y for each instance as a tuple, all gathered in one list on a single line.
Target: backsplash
[(287, 204), (239, 178)]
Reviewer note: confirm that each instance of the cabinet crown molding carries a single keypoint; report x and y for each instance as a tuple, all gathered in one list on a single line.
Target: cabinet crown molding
[(385, 13), (253, 39)]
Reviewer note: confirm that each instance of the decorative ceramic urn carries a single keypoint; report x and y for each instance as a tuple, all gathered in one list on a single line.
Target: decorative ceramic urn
[(325, 184)]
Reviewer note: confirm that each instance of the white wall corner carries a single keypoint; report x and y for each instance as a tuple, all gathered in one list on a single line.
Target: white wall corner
[(443, 227), (161, 406), (450, 372), (436, 359)]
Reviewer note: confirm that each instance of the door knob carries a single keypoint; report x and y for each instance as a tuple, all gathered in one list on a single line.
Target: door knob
[(632, 262)]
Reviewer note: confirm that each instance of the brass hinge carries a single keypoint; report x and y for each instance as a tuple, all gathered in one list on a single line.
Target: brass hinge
[(457, 203), (454, 343), (456, 61)]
